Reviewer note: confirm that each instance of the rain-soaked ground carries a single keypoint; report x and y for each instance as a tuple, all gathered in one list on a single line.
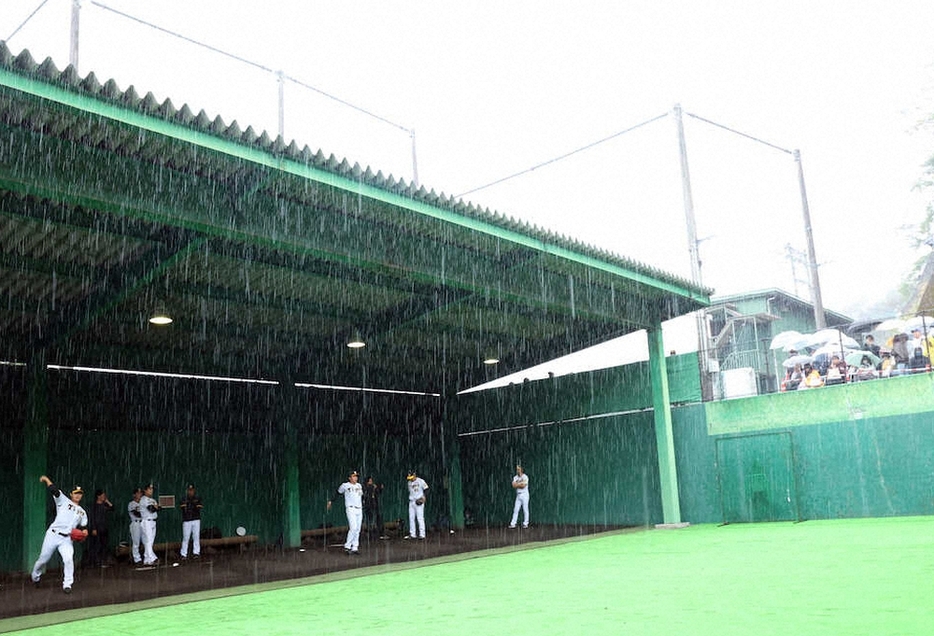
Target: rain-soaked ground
[(229, 567)]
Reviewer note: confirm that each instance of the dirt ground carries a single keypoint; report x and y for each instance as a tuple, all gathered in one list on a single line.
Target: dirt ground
[(229, 567)]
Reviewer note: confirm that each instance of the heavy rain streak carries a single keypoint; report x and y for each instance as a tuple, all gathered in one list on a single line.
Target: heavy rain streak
[(230, 358)]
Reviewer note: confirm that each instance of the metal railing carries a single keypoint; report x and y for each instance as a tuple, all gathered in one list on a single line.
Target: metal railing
[(742, 359)]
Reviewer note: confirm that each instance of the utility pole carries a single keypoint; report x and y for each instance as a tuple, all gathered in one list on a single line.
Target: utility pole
[(414, 159), (819, 319), (794, 257), (691, 223), (281, 77), (75, 18)]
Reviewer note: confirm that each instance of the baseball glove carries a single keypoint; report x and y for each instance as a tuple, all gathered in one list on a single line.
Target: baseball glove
[(78, 535), (420, 501)]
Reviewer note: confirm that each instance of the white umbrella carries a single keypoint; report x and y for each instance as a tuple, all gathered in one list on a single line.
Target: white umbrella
[(922, 322), (892, 324), (835, 336), (787, 339), (798, 359), (833, 348)]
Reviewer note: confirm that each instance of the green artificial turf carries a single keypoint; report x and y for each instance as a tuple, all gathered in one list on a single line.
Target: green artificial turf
[(870, 576)]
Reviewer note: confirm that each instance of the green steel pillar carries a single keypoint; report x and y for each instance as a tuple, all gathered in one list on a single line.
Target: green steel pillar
[(291, 419), (455, 486), (35, 462), (452, 467), (664, 439)]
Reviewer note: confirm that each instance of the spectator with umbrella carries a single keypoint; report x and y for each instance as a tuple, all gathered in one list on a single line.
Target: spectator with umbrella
[(862, 365)]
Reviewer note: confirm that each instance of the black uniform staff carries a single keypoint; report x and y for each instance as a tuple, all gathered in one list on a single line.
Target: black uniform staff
[(98, 530), (372, 517)]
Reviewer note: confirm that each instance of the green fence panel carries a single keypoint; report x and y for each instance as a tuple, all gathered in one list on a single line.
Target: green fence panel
[(757, 478)]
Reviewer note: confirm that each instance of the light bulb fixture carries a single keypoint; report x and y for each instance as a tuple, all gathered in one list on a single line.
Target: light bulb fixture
[(491, 361), (356, 342), (160, 318)]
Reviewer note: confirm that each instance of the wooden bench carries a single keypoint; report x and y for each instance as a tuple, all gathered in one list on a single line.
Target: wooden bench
[(321, 532), (175, 546)]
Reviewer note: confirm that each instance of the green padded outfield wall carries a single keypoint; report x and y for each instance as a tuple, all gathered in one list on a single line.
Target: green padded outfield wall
[(119, 431), (859, 450), (12, 419), (695, 455), (866, 468), (380, 435), (757, 481), (599, 470), (856, 451)]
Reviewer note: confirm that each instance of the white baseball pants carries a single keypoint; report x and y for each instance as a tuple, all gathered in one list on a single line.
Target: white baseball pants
[(355, 522), (522, 501), (191, 530), (416, 514), (54, 541), (136, 536), (149, 539)]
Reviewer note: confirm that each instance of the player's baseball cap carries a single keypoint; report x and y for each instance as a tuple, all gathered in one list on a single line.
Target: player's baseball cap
[(352, 473), (77, 490), (191, 486), (411, 475)]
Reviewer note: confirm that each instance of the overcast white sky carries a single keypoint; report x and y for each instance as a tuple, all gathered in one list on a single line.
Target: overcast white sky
[(492, 88)]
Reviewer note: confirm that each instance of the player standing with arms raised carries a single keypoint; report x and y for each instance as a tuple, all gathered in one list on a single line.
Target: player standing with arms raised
[(69, 516), (417, 488), (149, 509), (353, 504), (520, 482)]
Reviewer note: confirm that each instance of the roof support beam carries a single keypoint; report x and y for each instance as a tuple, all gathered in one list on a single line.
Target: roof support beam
[(103, 301), (173, 130)]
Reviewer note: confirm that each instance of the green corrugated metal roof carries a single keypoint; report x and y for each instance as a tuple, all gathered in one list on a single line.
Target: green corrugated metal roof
[(109, 201)]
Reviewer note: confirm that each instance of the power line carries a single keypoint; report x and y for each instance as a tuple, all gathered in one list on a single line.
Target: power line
[(346, 103), (183, 37), (560, 157), (243, 60), (34, 12), (741, 134)]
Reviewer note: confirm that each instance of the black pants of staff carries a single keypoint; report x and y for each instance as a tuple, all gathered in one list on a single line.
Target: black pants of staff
[(373, 521), (97, 549)]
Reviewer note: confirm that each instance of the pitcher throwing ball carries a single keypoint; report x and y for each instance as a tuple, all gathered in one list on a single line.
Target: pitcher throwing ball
[(70, 524), (520, 482)]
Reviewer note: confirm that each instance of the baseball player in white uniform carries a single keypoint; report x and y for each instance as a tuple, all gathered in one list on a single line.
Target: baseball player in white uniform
[(68, 516), (149, 509), (417, 488), (520, 482), (136, 525), (353, 504)]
